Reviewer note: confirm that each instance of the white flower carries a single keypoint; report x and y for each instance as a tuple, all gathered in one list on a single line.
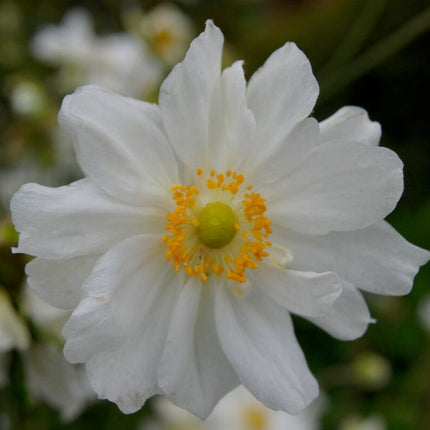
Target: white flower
[(13, 331), (27, 99), (119, 61), (13, 334), (225, 181), (49, 377), (168, 31), (374, 422), (239, 411), (424, 312)]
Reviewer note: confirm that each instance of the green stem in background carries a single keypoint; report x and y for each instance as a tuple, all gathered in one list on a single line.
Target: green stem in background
[(345, 75), (356, 36)]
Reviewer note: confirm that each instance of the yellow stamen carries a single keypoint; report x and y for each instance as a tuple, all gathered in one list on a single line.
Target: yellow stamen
[(201, 238)]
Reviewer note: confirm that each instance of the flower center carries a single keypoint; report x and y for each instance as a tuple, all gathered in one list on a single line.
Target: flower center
[(217, 223), (218, 227)]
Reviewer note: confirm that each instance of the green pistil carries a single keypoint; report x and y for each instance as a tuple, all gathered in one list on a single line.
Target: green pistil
[(217, 225)]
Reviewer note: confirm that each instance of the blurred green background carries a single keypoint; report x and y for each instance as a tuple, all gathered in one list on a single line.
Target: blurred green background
[(370, 53)]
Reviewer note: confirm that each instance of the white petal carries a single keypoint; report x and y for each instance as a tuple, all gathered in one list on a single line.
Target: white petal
[(281, 93), (349, 316), (304, 293), (75, 220), (338, 188), (239, 121), (295, 148), (120, 327), (118, 144), (258, 339), (186, 98), (375, 259), (194, 372), (350, 124), (59, 282)]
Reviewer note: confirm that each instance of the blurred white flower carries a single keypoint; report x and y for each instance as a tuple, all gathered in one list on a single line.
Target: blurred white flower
[(175, 251), (27, 98), (374, 422), (44, 316), (371, 370), (13, 334), (120, 62), (49, 377), (424, 312), (13, 331), (29, 169), (238, 410), (168, 31)]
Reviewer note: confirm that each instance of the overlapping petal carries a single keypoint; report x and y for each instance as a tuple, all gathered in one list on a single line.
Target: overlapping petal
[(193, 371), (349, 316), (239, 123), (190, 98), (76, 220), (120, 326), (296, 147), (59, 282), (350, 124), (303, 293), (258, 339), (375, 259), (119, 145), (280, 94), (337, 188)]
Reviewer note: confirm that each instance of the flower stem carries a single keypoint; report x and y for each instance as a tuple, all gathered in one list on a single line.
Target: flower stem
[(356, 36), (374, 56)]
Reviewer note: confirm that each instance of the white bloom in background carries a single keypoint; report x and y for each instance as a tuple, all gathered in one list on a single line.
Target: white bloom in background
[(70, 42), (30, 169), (374, 422), (13, 331), (27, 98), (120, 62), (47, 318), (12, 177), (238, 410), (424, 312), (168, 31), (13, 334), (49, 377), (175, 251)]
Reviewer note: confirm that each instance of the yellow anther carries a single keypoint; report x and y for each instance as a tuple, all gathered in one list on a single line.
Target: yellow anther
[(197, 236), (211, 184)]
